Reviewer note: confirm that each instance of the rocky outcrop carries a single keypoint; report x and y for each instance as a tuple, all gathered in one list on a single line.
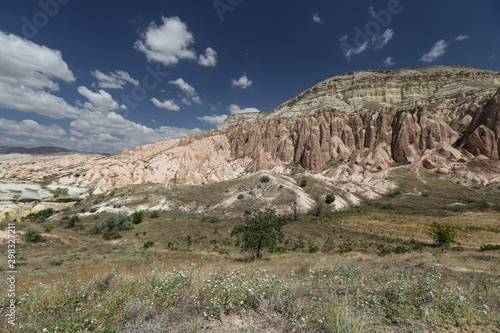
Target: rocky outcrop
[(483, 134), (371, 119)]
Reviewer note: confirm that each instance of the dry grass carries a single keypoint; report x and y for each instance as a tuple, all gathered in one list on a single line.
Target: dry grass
[(356, 244)]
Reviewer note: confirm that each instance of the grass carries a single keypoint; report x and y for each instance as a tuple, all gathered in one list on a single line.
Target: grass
[(364, 269)]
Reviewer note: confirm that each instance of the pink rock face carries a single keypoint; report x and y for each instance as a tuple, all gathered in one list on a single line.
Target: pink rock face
[(483, 134), (373, 118)]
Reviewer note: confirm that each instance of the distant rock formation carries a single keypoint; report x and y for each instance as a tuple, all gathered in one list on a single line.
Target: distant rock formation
[(372, 119)]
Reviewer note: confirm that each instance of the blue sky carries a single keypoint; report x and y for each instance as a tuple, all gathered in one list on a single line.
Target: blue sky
[(108, 75)]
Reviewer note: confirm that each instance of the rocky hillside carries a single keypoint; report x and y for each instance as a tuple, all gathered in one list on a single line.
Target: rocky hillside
[(351, 127)]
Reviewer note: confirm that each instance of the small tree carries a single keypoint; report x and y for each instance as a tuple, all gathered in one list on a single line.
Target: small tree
[(318, 208), (33, 236), (329, 198), (442, 235), (137, 217), (261, 230), (303, 183)]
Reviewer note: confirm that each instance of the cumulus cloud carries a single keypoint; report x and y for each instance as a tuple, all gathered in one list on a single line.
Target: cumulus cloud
[(100, 101), (167, 43), (209, 59), (130, 134), (382, 40), (436, 51), (461, 38), (18, 97), (168, 104), (243, 82), (31, 128), (316, 18), (189, 91), (215, 119), (28, 72), (23, 62), (116, 80), (389, 61), (236, 109)]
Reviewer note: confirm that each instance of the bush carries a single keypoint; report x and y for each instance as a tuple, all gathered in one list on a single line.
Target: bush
[(154, 214), (248, 211), (385, 205), (137, 217), (240, 196), (33, 236), (72, 221), (112, 235), (490, 247), (457, 208), (329, 198), (394, 193), (48, 229), (425, 194), (261, 230), (303, 183), (112, 225), (148, 244), (265, 179), (213, 219), (442, 235)]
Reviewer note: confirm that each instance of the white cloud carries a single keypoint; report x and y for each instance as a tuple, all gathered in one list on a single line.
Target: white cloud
[(168, 104), (167, 43), (436, 51), (343, 38), (461, 38), (116, 80), (31, 128), (100, 101), (27, 71), (189, 90), (316, 18), (356, 50), (25, 63), (389, 61), (209, 59), (380, 41), (243, 82), (371, 11), (36, 101), (215, 119), (235, 109), (130, 134)]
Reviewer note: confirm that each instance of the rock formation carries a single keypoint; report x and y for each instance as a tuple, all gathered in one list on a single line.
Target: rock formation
[(371, 119)]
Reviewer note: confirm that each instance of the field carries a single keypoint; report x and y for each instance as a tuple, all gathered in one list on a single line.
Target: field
[(373, 268)]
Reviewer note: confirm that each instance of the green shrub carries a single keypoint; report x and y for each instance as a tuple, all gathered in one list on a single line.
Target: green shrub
[(33, 236), (248, 211), (48, 229), (490, 247), (112, 235), (329, 198), (394, 193), (456, 208), (240, 196), (385, 205), (148, 244), (72, 221), (154, 214), (113, 224), (265, 179), (303, 183), (137, 217), (442, 235), (261, 230), (425, 194)]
